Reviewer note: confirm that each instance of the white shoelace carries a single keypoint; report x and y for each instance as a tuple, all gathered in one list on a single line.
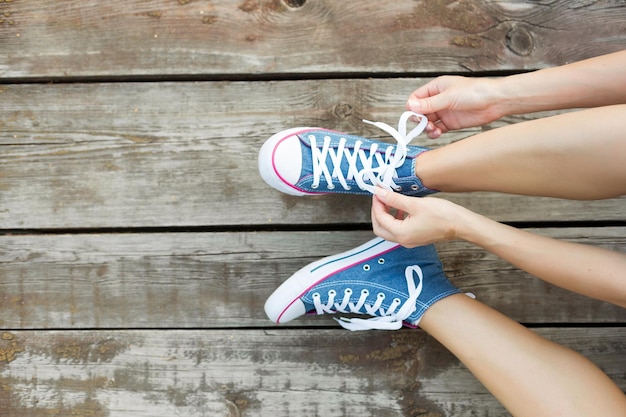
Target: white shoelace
[(385, 320), (386, 169)]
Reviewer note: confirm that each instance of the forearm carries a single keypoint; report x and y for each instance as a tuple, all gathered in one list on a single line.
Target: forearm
[(592, 82), (595, 272)]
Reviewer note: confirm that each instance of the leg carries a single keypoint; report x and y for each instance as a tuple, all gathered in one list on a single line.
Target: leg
[(577, 155), (528, 374)]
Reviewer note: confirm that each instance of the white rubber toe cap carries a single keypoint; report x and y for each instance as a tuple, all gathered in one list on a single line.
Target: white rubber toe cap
[(279, 313), (280, 161), (287, 159)]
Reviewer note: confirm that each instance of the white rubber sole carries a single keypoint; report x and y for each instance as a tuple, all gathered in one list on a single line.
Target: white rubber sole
[(284, 304)]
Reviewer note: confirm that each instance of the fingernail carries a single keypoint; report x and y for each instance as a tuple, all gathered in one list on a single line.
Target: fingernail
[(414, 103), (380, 192)]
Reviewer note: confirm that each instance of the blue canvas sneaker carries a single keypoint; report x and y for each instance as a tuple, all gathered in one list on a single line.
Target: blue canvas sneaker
[(392, 284), (311, 161)]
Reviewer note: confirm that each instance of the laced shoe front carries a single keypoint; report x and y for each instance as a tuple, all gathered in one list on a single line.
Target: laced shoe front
[(391, 284), (310, 161)]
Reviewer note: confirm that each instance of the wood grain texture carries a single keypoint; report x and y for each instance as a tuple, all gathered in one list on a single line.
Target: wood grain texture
[(90, 38), (185, 154), (256, 373), (137, 240), (209, 280)]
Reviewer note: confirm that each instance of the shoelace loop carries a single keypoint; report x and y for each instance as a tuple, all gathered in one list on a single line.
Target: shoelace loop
[(390, 319), (378, 169)]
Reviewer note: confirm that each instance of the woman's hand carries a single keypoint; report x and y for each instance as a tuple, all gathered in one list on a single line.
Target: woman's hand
[(455, 102), (412, 221)]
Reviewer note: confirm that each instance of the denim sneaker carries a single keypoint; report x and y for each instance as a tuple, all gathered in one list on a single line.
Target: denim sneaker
[(311, 161), (389, 282)]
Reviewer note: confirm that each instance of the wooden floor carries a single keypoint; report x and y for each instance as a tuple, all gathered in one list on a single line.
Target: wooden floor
[(138, 242)]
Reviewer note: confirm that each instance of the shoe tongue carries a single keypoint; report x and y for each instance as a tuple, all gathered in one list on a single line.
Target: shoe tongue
[(364, 149), (348, 156), (406, 170)]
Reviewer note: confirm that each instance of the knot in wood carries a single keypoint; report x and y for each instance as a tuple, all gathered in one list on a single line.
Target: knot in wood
[(343, 110), (294, 3), (520, 41)]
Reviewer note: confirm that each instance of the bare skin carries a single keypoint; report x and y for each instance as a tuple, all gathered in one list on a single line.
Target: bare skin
[(578, 155), (529, 375), (454, 102), (595, 272)]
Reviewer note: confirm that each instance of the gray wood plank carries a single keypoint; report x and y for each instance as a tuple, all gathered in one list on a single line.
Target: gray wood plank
[(199, 280), (90, 38), (185, 154), (256, 373)]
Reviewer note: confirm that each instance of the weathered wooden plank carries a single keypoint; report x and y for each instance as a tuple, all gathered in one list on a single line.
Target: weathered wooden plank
[(191, 280), (86, 38), (185, 154), (256, 373)]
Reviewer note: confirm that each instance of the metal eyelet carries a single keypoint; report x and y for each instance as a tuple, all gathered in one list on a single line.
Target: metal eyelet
[(415, 187), (381, 295), (381, 261), (331, 186), (366, 267), (332, 293), (314, 186), (365, 292)]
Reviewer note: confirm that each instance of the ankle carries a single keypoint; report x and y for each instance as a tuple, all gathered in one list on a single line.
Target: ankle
[(442, 312), (423, 171)]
